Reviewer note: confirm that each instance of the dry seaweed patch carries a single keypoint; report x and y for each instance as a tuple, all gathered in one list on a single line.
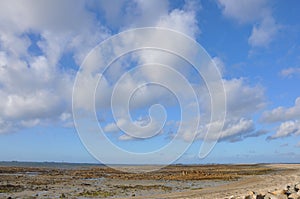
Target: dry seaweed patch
[(9, 188), (142, 187), (96, 193), (212, 172)]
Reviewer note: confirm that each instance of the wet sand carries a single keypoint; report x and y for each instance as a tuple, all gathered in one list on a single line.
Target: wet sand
[(177, 181)]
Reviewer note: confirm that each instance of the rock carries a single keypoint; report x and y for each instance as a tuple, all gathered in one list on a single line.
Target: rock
[(275, 196), (238, 197), (270, 196), (235, 197), (282, 197), (294, 196), (290, 189), (279, 192), (297, 187), (250, 195), (260, 196)]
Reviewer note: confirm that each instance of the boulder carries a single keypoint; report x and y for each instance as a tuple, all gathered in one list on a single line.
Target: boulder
[(235, 197), (260, 196), (279, 192), (297, 187), (294, 196), (275, 196), (250, 195)]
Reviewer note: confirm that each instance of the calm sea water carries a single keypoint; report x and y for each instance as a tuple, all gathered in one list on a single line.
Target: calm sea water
[(62, 165)]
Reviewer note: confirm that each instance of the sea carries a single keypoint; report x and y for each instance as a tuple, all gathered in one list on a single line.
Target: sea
[(60, 165)]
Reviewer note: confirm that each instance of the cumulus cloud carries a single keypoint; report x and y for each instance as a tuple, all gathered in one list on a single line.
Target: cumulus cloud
[(243, 11), (263, 33), (36, 89), (120, 15), (281, 114), (233, 130), (146, 128), (256, 12), (242, 102), (287, 129), (243, 99), (220, 64), (31, 93), (289, 119), (182, 21)]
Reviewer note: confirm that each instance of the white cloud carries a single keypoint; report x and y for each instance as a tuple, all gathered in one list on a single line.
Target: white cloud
[(220, 64), (243, 101), (34, 90), (289, 119), (6, 126), (244, 11), (112, 10), (61, 29), (53, 15), (263, 33), (286, 129), (140, 129), (232, 130), (281, 114), (29, 95), (146, 13), (126, 14), (180, 20), (290, 72), (256, 12)]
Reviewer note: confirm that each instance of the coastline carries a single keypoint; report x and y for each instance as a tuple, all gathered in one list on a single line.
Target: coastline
[(174, 181)]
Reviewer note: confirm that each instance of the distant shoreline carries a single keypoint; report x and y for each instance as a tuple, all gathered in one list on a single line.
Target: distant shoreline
[(74, 164)]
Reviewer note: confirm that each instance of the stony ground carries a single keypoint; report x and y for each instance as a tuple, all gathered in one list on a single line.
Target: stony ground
[(206, 181)]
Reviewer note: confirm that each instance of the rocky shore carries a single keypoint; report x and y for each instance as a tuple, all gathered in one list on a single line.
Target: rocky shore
[(291, 191), (177, 181)]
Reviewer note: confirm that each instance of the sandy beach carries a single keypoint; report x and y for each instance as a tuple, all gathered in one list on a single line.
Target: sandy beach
[(178, 181)]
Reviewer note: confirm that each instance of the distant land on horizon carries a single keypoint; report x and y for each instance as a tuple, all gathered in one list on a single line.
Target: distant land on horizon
[(76, 164)]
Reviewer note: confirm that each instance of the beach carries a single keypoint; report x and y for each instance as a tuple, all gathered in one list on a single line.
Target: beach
[(175, 181)]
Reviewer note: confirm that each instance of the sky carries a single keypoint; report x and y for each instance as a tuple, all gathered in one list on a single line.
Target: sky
[(50, 62)]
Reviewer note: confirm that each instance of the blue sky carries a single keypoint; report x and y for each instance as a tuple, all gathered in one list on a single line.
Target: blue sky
[(255, 45)]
